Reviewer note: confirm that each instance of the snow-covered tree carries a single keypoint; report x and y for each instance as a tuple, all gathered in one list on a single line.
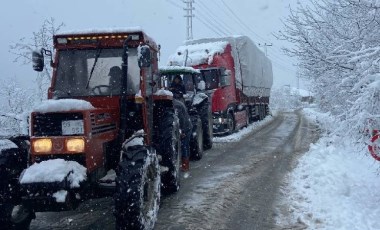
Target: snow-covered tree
[(15, 109), (43, 38), (337, 45)]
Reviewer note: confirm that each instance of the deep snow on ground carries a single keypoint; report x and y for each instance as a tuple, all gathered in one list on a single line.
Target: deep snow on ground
[(334, 186)]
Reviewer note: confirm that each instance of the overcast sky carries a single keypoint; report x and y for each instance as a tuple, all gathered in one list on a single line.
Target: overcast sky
[(162, 19)]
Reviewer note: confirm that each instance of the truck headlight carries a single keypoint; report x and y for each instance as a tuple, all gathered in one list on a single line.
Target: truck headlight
[(75, 145), (42, 145)]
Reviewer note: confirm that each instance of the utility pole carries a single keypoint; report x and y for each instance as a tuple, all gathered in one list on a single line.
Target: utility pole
[(189, 18), (265, 45)]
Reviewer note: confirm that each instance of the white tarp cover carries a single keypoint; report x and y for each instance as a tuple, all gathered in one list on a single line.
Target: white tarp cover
[(253, 70)]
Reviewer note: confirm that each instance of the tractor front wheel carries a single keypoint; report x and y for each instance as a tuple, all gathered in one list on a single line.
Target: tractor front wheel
[(137, 195)]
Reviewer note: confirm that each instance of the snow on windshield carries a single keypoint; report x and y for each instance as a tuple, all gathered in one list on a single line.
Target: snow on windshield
[(63, 105)]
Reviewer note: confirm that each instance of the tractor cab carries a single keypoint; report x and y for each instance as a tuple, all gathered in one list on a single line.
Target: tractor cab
[(191, 80)]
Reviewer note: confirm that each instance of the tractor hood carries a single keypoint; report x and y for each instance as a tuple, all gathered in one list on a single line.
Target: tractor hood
[(63, 105)]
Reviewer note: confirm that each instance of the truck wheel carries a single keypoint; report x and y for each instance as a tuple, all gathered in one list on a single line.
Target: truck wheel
[(230, 123), (169, 147), (261, 112), (196, 144), (137, 195), (248, 116)]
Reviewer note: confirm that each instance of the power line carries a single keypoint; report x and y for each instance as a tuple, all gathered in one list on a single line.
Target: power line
[(211, 28), (216, 18), (212, 23), (174, 4)]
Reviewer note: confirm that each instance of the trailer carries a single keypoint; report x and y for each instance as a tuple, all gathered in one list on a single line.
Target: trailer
[(238, 78)]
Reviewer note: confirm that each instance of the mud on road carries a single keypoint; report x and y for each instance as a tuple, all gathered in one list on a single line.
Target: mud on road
[(234, 186)]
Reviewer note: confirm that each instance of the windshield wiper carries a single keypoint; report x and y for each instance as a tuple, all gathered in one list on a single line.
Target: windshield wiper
[(93, 66)]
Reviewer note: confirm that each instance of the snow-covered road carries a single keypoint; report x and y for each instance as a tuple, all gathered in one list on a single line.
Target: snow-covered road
[(234, 186)]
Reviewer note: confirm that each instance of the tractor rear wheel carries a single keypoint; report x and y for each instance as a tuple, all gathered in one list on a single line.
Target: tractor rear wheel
[(196, 143), (169, 147), (137, 195), (207, 121)]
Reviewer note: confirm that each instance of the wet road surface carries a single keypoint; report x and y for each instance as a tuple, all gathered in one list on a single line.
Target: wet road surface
[(234, 186)]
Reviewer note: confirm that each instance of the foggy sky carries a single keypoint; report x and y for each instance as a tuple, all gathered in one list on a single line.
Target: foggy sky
[(162, 19)]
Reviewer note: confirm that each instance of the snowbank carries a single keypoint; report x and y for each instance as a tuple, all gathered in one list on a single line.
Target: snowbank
[(54, 171), (63, 105), (335, 185)]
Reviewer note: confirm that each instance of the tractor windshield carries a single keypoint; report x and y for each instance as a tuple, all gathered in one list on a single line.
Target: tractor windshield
[(94, 72), (187, 79)]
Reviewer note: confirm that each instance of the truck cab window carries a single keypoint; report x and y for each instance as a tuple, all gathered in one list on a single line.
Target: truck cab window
[(211, 78)]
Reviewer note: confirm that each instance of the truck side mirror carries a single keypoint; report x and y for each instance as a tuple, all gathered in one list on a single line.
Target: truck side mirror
[(38, 61), (144, 56)]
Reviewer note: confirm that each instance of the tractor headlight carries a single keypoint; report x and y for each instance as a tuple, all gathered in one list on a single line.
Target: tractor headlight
[(75, 145), (42, 145)]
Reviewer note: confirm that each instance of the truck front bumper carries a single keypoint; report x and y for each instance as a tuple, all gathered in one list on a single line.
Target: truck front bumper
[(220, 124)]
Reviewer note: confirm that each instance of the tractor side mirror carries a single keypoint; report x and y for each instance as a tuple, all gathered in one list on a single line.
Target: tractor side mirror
[(144, 56), (38, 60)]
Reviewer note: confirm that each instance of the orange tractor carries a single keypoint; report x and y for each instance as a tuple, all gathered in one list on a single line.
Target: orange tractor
[(105, 130)]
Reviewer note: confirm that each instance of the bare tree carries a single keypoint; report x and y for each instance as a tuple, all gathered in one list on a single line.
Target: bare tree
[(41, 39)]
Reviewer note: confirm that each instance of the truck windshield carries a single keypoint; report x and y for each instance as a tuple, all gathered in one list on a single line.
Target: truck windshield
[(74, 69), (211, 78)]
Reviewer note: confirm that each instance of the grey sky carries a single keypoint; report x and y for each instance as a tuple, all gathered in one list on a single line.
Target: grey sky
[(162, 19)]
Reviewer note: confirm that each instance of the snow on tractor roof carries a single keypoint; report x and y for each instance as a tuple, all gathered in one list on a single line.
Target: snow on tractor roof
[(63, 105), (115, 30), (174, 69)]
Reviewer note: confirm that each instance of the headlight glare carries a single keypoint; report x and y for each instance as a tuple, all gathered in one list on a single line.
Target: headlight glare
[(75, 145), (42, 145)]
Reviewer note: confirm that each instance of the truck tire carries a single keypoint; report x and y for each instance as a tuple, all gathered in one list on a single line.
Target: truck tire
[(137, 195), (196, 143), (261, 112), (248, 116), (230, 123), (169, 147)]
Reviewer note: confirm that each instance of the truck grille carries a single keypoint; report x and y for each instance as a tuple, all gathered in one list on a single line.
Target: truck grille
[(50, 124)]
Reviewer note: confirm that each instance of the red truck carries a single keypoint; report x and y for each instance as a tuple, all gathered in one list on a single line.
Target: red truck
[(238, 78)]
